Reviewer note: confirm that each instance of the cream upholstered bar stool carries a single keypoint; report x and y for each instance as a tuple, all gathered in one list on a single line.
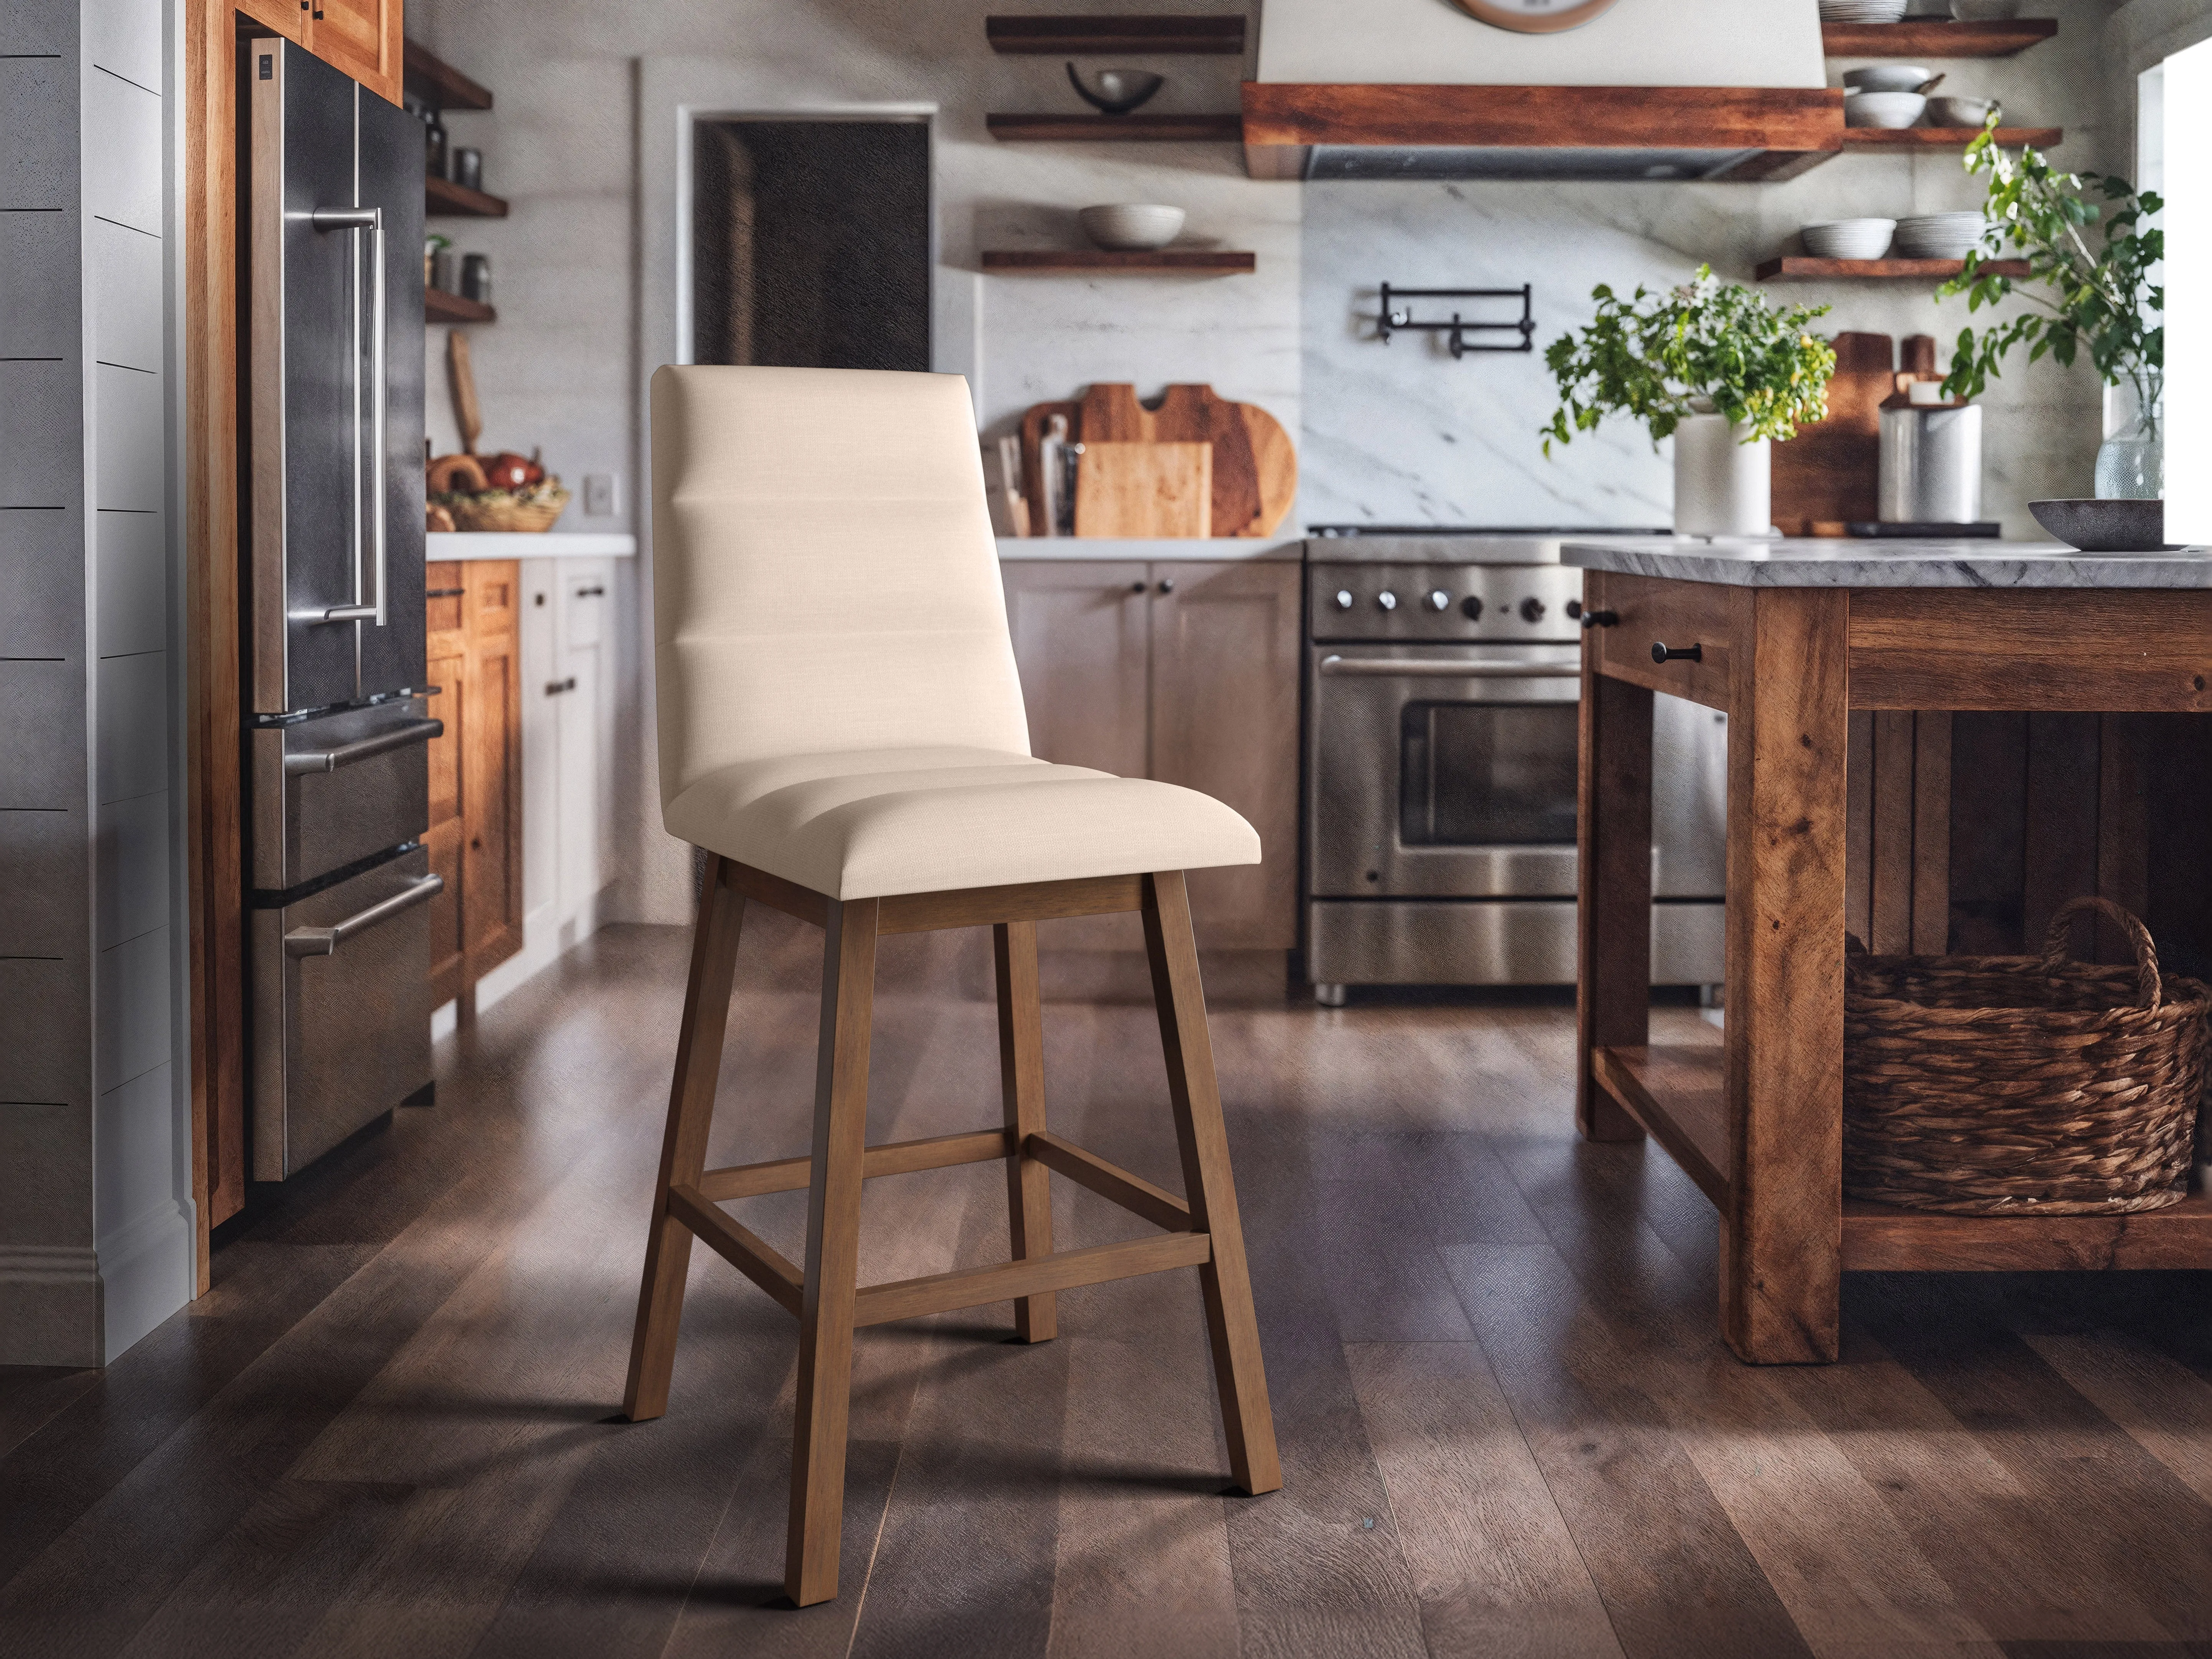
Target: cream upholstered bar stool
[(842, 731)]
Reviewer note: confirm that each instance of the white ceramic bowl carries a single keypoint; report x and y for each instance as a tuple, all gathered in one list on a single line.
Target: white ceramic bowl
[(1883, 109), (1886, 77), (1862, 11), (1984, 11), (1959, 111), (1939, 235), (1849, 238), (1131, 226)]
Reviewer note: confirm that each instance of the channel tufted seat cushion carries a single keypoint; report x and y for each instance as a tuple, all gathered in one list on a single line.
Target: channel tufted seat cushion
[(868, 823)]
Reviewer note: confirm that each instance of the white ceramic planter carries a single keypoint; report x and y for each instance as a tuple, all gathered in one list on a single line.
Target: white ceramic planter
[(1721, 488)]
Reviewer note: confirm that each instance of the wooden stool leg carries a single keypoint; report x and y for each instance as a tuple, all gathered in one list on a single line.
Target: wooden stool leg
[(1021, 1075), (683, 1151), (1235, 1332), (833, 1250)]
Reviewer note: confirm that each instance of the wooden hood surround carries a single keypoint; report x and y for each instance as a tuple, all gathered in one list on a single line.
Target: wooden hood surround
[(1737, 134)]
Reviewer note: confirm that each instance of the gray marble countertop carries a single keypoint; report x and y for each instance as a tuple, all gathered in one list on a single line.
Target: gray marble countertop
[(1792, 561)]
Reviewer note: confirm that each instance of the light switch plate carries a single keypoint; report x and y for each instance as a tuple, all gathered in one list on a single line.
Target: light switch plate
[(601, 498)]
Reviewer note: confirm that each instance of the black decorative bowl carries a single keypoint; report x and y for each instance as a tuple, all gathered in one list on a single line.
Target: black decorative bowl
[(2106, 526)]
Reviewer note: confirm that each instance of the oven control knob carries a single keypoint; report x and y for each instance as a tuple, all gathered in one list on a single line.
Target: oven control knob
[(1532, 610), (1438, 600), (1387, 599), (1344, 598), (1471, 608)]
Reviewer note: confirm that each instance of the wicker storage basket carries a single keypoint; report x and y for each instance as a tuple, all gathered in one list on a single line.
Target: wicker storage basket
[(500, 510), (1985, 1085)]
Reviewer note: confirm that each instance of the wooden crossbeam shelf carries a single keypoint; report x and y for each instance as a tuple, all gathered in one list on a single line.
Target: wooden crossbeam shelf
[(1677, 1092), (1923, 138), (439, 84), (1159, 35), (1108, 129), (1162, 262), (440, 306), (446, 199), (1936, 37), (1800, 267)]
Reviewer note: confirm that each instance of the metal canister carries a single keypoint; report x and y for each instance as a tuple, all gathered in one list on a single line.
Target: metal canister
[(1931, 464), (476, 278)]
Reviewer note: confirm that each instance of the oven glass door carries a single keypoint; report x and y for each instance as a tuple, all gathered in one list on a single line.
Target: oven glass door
[(1444, 771)]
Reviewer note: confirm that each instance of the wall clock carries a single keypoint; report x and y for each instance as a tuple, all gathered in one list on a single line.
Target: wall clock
[(1535, 17)]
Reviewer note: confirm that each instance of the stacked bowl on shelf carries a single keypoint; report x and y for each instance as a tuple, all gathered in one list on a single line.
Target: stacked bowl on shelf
[(1940, 235), (1862, 11), (1849, 238)]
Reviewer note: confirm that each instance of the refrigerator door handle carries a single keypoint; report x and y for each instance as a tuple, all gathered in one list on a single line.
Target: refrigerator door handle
[(324, 941), (346, 754), (367, 607)]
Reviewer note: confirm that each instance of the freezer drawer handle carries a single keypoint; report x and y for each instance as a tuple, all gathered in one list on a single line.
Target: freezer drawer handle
[(1390, 668), (371, 221), (346, 754), (555, 687), (324, 941)]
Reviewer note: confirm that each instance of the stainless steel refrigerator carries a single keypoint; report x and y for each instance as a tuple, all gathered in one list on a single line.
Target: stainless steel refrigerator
[(338, 933)]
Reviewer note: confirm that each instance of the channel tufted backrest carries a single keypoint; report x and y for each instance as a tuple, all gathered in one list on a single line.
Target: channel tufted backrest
[(824, 576)]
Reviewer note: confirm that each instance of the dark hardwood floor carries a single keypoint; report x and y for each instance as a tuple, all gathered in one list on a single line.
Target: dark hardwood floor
[(1508, 1425)]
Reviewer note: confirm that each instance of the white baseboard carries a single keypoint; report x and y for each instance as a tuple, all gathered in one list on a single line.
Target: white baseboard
[(146, 1270)]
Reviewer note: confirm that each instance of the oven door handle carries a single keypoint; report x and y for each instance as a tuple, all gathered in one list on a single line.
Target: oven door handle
[(1392, 668)]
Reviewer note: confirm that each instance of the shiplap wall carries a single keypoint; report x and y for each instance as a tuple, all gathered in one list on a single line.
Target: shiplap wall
[(95, 1217)]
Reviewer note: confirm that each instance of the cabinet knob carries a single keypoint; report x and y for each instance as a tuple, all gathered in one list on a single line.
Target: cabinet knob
[(1136, 588), (1677, 652), (1167, 584)]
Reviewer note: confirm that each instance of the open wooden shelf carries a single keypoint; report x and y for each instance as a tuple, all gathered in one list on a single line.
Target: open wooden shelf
[(1936, 37), (1677, 1092), (1946, 137), (439, 84), (440, 306), (447, 199), (1184, 262), (1108, 129), (1213, 34), (1802, 267)]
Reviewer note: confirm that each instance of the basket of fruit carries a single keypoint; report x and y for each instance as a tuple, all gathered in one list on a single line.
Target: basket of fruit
[(506, 492)]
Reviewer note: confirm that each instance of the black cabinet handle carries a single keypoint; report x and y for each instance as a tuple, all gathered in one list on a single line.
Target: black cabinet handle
[(1599, 618), (1167, 584), (555, 687), (592, 592), (443, 592), (1677, 652), (1136, 588)]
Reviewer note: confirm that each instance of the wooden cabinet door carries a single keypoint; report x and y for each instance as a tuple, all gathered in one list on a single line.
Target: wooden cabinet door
[(363, 38), (290, 18), (1226, 643), (491, 766), (448, 669), (1080, 642)]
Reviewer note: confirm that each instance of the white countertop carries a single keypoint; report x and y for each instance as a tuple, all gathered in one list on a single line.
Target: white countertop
[(512, 544), (1215, 549), (1794, 561)]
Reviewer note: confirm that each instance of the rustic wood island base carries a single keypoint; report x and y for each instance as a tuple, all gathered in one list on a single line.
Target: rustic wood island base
[(1787, 638)]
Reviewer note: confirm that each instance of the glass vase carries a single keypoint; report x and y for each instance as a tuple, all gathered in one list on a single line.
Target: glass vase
[(2131, 461)]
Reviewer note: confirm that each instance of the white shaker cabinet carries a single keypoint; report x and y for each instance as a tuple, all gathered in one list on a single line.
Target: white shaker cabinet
[(568, 757)]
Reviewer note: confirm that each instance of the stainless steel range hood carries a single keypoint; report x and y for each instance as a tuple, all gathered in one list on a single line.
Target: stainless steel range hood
[(1651, 90)]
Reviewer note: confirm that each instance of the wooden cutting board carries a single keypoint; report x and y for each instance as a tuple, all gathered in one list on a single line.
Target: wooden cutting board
[(1828, 475), (1255, 467), (1143, 490)]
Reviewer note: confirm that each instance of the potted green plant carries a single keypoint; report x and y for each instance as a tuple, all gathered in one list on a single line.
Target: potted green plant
[(1714, 364), (2090, 257)]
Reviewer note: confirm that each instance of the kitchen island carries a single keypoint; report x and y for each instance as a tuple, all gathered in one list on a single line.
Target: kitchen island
[(1787, 637)]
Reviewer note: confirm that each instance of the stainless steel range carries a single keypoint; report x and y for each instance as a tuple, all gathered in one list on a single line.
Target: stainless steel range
[(1443, 680)]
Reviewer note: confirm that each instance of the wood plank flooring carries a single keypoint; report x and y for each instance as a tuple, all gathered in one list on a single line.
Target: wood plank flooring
[(1508, 1424)]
